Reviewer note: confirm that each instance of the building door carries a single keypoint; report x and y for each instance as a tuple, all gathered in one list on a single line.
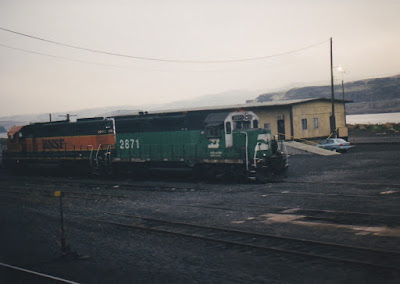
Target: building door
[(281, 129)]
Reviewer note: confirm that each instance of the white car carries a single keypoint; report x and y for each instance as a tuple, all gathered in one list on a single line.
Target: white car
[(335, 144)]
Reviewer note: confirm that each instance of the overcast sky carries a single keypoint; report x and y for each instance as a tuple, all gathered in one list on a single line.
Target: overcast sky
[(366, 39)]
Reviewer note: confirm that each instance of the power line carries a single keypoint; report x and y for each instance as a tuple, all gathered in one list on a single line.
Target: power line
[(105, 64), (58, 57), (102, 64), (162, 59)]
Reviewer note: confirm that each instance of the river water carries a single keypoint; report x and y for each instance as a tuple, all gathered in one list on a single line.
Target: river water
[(373, 118)]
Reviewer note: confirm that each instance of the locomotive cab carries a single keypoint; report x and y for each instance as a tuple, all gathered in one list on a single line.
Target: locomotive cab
[(236, 134), (238, 121), (15, 139), (227, 123)]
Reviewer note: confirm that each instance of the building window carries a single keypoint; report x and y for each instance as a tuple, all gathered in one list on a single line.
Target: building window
[(267, 126), (304, 123), (316, 123)]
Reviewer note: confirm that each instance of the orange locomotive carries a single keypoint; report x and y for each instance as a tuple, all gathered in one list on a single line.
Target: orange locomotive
[(87, 142)]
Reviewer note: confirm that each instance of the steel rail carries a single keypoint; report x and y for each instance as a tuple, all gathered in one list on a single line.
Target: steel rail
[(343, 183), (69, 194), (147, 188), (304, 193), (285, 208), (121, 182), (38, 273), (251, 235), (107, 183)]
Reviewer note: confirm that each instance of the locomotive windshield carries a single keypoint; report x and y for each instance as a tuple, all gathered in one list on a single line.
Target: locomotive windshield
[(242, 124), (229, 122), (242, 120)]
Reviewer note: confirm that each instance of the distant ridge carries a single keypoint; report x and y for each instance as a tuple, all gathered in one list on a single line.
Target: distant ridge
[(376, 95), (368, 96)]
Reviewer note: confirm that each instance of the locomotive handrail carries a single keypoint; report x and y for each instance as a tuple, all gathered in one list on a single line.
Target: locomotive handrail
[(255, 152), (309, 142), (91, 153), (97, 154), (247, 150)]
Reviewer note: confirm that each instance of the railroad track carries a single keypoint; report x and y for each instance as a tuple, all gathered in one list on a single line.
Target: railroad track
[(126, 182), (107, 184), (35, 275), (131, 186), (316, 194), (285, 209), (249, 240), (334, 216), (325, 215), (67, 194), (344, 183), (258, 241)]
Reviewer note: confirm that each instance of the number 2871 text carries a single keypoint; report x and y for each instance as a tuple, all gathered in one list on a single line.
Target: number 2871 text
[(128, 143)]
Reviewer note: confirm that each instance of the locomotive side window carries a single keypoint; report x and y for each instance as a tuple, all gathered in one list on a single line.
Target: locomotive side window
[(228, 128), (255, 123), (212, 132), (12, 138)]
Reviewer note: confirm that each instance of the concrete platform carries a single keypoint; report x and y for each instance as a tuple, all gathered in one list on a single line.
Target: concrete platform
[(297, 148)]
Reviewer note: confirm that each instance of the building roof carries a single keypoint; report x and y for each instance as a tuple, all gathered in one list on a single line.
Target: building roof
[(249, 105)]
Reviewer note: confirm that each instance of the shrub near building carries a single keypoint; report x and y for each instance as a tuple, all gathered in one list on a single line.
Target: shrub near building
[(375, 129)]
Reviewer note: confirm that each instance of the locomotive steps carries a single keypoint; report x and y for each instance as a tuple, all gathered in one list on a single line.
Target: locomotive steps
[(297, 148)]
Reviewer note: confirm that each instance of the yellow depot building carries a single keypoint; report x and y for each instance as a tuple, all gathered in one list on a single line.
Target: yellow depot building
[(301, 119), (292, 119)]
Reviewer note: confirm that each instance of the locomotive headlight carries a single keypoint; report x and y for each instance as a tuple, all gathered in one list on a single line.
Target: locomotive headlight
[(247, 116)]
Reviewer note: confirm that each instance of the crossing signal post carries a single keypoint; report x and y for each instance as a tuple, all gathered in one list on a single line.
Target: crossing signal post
[(64, 248)]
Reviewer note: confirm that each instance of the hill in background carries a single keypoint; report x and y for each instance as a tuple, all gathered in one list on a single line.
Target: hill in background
[(225, 98), (377, 95), (368, 96)]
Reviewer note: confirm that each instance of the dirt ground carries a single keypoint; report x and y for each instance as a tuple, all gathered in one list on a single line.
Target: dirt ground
[(350, 199)]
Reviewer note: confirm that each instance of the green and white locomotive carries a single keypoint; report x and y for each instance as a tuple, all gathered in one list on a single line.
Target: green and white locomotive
[(211, 144)]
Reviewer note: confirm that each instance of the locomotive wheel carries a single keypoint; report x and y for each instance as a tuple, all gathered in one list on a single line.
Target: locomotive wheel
[(238, 174), (197, 173)]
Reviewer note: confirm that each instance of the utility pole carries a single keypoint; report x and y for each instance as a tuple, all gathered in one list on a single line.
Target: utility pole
[(342, 71), (333, 120), (344, 104)]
